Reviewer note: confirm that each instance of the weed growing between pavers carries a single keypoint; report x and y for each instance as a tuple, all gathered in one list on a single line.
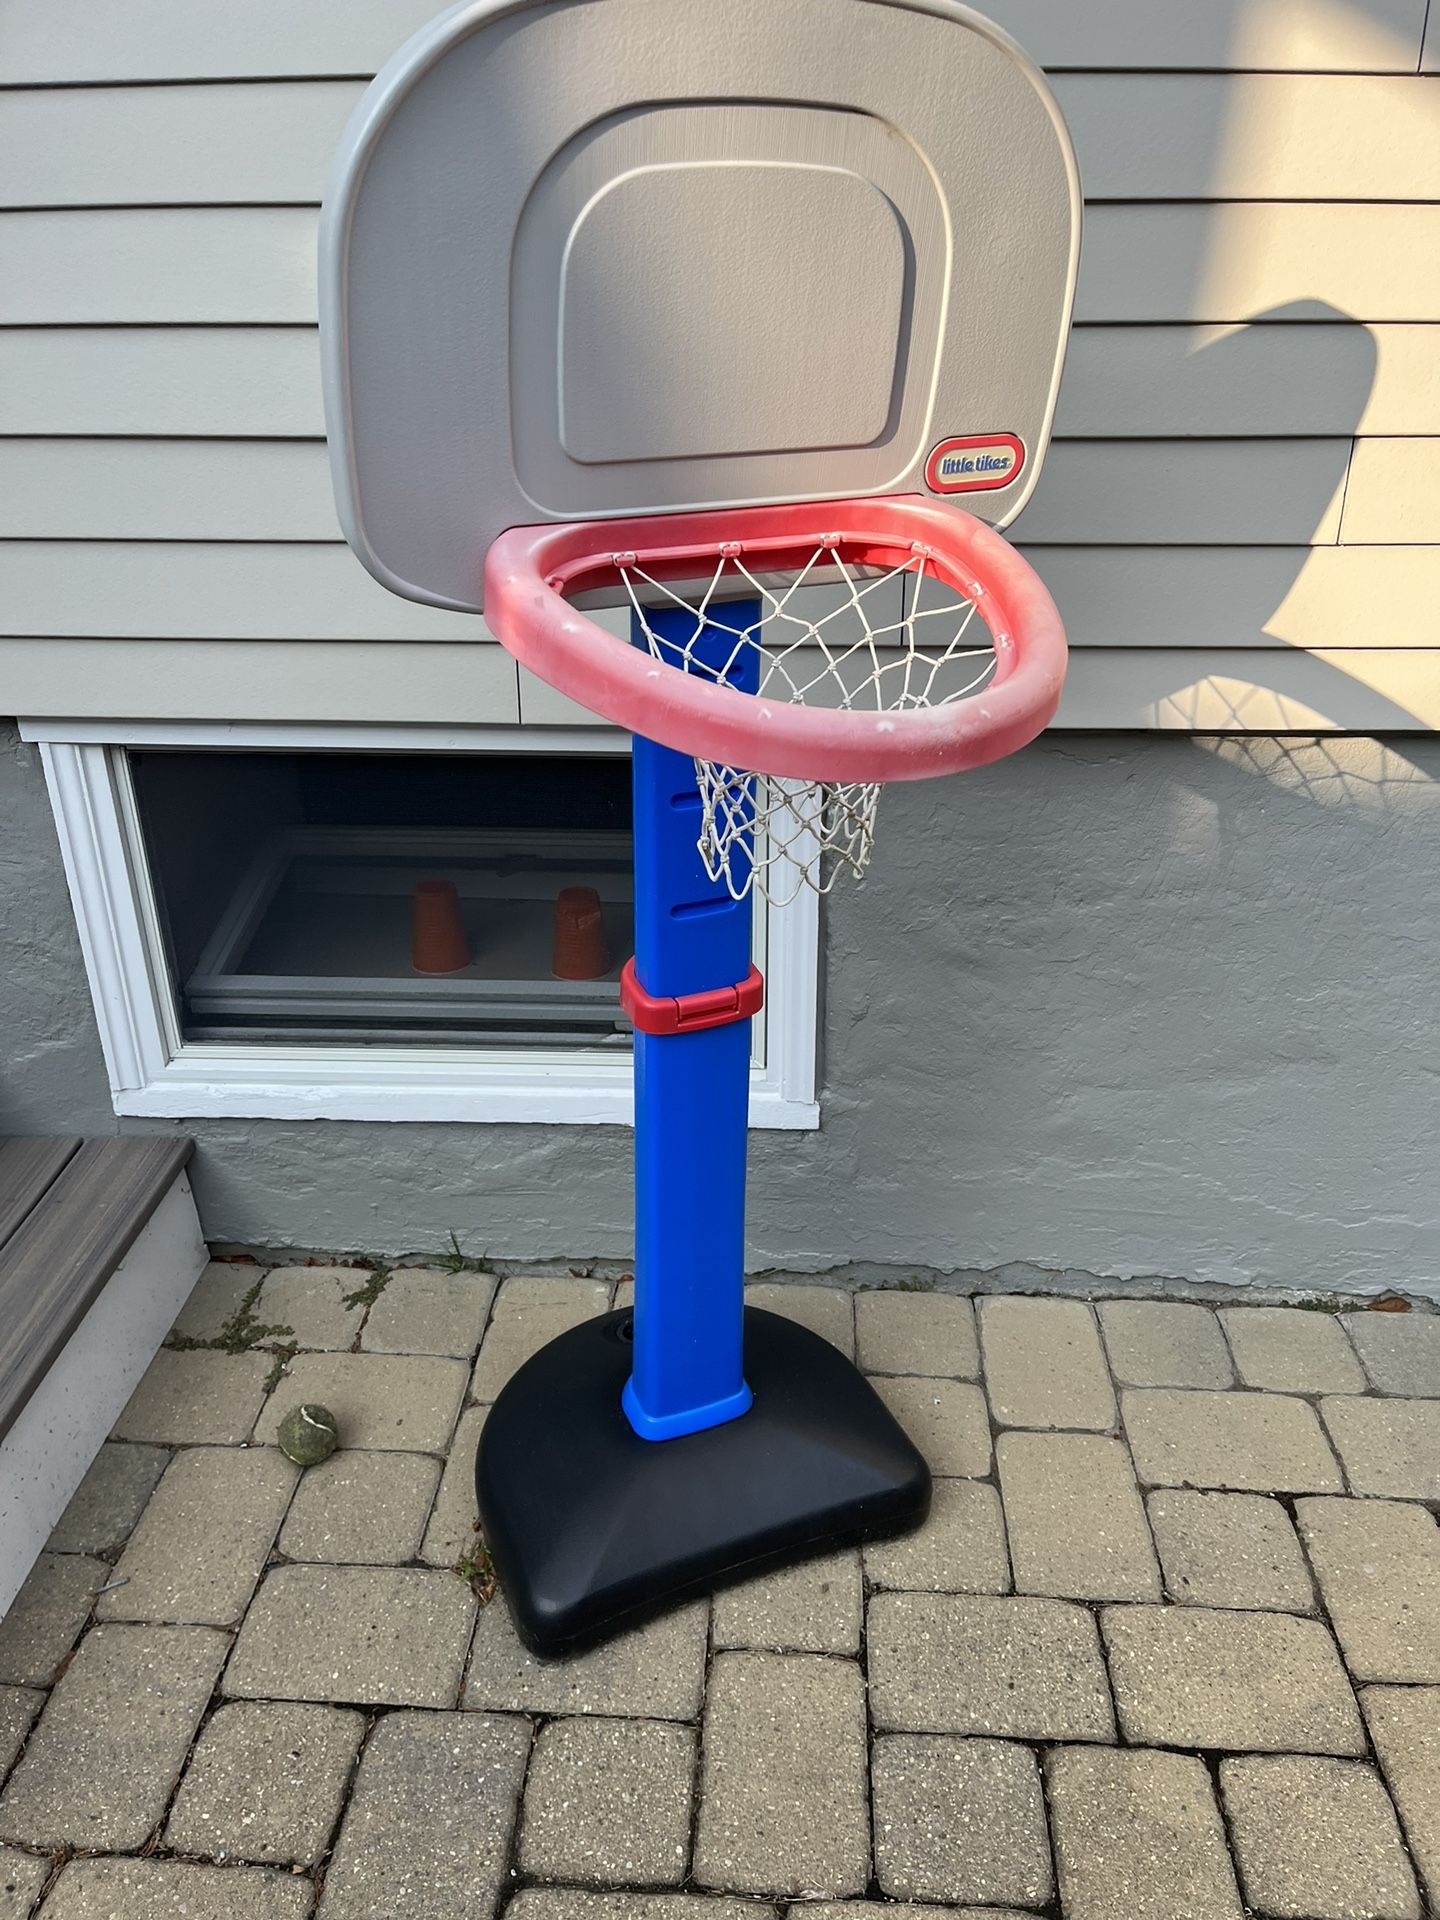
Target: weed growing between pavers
[(367, 1295), (477, 1569), (241, 1333)]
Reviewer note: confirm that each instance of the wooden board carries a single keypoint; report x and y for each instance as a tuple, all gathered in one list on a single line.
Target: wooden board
[(56, 1261), (50, 41), (27, 1169)]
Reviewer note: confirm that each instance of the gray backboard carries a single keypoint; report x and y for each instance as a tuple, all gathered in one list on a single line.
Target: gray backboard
[(586, 258)]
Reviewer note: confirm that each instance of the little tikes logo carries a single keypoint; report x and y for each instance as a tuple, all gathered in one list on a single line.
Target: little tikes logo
[(973, 463)]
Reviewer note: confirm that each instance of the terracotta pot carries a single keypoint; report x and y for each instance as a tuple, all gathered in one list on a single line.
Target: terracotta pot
[(579, 951), (437, 933)]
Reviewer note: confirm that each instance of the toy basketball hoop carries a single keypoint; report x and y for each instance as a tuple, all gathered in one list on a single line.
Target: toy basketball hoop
[(793, 722), (744, 322)]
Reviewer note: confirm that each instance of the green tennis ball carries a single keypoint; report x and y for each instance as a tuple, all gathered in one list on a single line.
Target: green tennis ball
[(308, 1435)]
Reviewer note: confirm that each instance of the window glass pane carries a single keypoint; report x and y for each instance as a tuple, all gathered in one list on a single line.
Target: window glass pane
[(292, 889)]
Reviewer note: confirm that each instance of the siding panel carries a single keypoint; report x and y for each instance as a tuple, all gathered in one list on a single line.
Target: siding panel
[(214, 265), (137, 146), (1179, 493), (1212, 598), (260, 680), (1139, 137), (1162, 382), (68, 40), (1253, 136), (1196, 264), (1305, 378), (1167, 492), (1206, 597), (1394, 495), (218, 590), (259, 381), (1230, 263), (166, 490)]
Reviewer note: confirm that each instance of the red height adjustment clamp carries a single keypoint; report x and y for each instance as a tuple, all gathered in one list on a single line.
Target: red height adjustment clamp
[(690, 1012)]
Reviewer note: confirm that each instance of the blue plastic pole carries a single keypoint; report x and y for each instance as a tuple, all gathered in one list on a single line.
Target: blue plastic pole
[(691, 1090)]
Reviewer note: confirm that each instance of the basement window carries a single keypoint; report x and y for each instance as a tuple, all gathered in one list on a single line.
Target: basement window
[(400, 899), (366, 925)]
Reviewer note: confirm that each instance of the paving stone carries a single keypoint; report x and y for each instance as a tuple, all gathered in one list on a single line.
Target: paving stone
[(815, 1607), (217, 1297), (46, 1616), (783, 1805), (1317, 1840), (1389, 1447), (1044, 1365), (384, 1636), (959, 1820), (1399, 1351), (110, 1744), (387, 1401), (1378, 1564), (311, 1302), (528, 1313), (656, 1671), (1230, 1550), (960, 1548), (927, 1333), (451, 1529), (1074, 1516), (196, 1399), (1248, 1442), (1138, 1836), (1404, 1726), (18, 1708), (1025, 1668), (1290, 1350), (203, 1541), (105, 1506), (1165, 1343), (22, 1875), (608, 1801), (427, 1832), (175, 1890), (578, 1903), (828, 1311), (426, 1310), (366, 1508), (266, 1783), (946, 1420), (1250, 1682)]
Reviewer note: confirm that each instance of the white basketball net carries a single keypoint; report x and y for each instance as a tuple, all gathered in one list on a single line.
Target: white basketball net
[(836, 636)]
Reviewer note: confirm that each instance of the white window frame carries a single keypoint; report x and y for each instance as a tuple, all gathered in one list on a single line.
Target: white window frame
[(156, 1073)]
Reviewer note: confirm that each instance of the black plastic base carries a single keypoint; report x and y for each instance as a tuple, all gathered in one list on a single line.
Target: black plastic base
[(592, 1528)]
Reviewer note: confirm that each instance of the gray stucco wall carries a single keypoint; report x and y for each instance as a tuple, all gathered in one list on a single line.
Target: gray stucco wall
[(1128, 1006)]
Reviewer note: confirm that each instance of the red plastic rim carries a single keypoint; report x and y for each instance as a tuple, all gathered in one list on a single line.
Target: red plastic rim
[(529, 572)]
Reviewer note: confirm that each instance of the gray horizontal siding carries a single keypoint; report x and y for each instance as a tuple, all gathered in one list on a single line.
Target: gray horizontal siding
[(1267, 136), (1281, 378), (1208, 493), (1203, 597), (49, 41), (1219, 265), (1240, 516)]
